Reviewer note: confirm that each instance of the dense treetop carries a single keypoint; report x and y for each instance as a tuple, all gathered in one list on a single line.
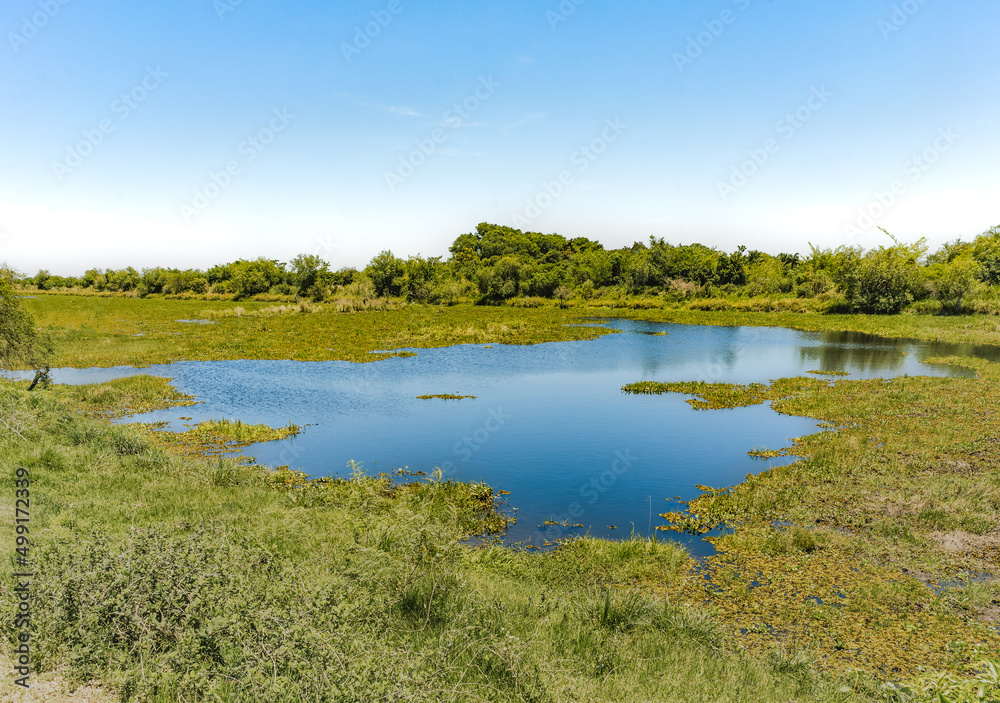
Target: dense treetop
[(497, 263)]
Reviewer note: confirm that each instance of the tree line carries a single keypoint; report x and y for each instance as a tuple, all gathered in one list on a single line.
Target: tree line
[(495, 264)]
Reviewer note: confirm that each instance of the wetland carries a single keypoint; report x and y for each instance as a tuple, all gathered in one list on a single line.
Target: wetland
[(831, 497)]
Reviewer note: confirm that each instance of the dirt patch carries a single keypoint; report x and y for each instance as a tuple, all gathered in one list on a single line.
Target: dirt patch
[(50, 688), (959, 542)]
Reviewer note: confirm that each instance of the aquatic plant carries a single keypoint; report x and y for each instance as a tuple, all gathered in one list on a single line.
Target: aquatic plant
[(445, 396)]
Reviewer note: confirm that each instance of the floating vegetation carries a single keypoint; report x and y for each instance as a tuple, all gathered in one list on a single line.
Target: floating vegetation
[(767, 453), (830, 373), (215, 437), (125, 396), (717, 396), (445, 396), (97, 331)]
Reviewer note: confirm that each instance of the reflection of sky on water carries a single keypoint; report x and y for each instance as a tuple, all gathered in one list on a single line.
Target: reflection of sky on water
[(549, 423)]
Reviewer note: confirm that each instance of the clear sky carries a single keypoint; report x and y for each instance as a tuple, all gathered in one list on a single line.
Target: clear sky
[(193, 132)]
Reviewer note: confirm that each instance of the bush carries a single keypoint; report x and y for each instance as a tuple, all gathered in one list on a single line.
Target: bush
[(386, 274), (956, 283), (883, 281), (201, 614)]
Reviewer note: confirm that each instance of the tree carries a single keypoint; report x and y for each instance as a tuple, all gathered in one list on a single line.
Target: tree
[(41, 279), (986, 250), (21, 344), (732, 268), (957, 281), (251, 278), (884, 280), (310, 273), (500, 281), (386, 272), (420, 276)]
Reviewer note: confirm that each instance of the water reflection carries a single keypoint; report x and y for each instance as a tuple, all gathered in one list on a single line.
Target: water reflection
[(549, 423)]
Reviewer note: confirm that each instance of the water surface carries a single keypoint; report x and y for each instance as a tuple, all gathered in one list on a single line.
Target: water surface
[(549, 422)]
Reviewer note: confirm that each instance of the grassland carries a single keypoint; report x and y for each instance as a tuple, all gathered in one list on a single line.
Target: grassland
[(873, 557), (162, 577), (847, 549), (111, 331)]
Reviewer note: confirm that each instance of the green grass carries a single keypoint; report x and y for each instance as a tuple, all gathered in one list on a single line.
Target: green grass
[(125, 396), (109, 331), (215, 437), (97, 331), (833, 565), (165, 577), (904, 495)]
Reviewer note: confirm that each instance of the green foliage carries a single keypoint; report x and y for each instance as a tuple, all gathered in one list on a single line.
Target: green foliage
[(311, 275), (386, 274), (22, 345), (883, 281), (956, 282), (500, 281), (504, 264), (981, 685), (251, 278), (731, 269), (200, 613), (986, 250), (41, 279)]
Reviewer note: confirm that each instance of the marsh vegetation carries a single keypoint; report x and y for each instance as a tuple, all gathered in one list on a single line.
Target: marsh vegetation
[(164, 574)]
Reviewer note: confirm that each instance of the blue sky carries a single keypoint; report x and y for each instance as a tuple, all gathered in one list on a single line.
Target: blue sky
[(202, 131)]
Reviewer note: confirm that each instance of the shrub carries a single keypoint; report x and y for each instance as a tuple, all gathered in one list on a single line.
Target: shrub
[(883, 281)]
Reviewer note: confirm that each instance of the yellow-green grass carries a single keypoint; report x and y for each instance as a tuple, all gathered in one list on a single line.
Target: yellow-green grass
[(131, 395), (96, 331), (215, 437), (903, 495), (164, 577), (103, 331), (843, 551)]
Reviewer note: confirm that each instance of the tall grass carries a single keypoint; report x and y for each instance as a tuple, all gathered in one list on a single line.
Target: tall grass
[(166, 578)]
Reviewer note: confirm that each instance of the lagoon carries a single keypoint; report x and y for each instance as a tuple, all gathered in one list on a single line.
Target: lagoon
[(549, 422)]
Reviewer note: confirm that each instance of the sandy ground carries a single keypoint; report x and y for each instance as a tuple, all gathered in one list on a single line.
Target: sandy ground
[(49, 687)]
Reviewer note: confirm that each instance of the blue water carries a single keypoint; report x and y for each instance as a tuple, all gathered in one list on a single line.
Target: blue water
[(549, 423)]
